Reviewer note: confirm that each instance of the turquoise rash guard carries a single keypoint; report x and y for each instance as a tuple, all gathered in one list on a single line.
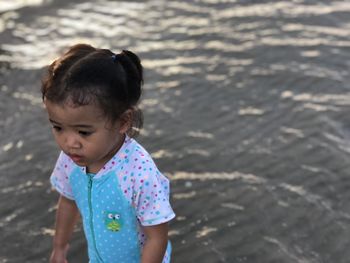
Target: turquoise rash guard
[(127, 193), (110, 222)]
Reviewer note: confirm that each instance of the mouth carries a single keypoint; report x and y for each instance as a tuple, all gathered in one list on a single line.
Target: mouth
[(75, 157)]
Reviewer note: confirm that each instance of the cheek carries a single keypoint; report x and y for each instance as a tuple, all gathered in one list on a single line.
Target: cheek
[(94, 145), (107, 142), (58, 139), (55, 136)]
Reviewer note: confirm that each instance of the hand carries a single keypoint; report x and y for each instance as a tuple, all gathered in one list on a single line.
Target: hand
[(59, 255)]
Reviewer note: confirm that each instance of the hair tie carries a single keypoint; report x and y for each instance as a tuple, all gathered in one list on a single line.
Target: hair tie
[(114, 57)]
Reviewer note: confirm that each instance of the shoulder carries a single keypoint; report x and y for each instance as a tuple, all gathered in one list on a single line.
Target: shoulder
[(145, 173), (141, 161), (60, 175), (139, 171), (134, 152), (144, 186), (64, 164)]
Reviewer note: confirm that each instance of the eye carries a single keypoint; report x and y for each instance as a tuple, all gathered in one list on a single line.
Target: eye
[(85, 133), (110, 216), (56, 128), (116, 216)]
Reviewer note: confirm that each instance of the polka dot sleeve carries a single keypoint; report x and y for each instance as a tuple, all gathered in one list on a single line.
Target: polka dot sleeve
[(151, 198), (59, 177)]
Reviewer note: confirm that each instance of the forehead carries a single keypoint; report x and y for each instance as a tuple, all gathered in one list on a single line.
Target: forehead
[(72, 115)]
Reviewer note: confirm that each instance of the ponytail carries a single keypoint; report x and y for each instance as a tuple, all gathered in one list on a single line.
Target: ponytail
[(132, 67), (134, 78)]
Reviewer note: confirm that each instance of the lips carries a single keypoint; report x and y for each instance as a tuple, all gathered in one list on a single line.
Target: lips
[(75, 157)]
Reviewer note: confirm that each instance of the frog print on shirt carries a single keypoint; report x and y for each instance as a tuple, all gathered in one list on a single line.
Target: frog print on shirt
[(113, 221)]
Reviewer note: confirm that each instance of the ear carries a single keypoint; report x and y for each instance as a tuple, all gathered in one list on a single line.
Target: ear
[(125, 121)]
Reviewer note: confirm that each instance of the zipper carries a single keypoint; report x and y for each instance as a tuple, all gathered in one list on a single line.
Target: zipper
[(91, 218)]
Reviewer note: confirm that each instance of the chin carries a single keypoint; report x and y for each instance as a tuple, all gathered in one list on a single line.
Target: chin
[(80, 163)]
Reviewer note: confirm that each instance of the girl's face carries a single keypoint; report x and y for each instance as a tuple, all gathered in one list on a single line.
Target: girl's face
[(85, 135)]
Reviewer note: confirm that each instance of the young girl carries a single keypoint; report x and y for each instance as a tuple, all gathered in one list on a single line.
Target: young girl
[(91, 98)]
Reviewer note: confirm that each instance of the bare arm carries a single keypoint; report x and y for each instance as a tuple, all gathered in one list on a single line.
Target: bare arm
[(66, 217), (156, 243)]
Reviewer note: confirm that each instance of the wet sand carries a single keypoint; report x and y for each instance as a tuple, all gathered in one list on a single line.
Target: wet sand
[(246, 111)]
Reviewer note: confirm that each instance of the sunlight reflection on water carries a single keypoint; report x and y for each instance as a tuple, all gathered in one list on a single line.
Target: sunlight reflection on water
[(7, 5), (247, 113)]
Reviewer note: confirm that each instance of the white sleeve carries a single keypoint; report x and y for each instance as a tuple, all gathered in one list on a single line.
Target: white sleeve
[(152, 200), (60, 176)]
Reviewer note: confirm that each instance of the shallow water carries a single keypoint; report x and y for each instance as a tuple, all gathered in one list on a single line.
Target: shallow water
[(245, 108)]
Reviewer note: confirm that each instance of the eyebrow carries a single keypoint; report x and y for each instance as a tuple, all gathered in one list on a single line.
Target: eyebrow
[(76, 126)]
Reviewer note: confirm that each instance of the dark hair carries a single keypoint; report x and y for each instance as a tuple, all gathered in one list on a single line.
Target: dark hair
[(85, 75)]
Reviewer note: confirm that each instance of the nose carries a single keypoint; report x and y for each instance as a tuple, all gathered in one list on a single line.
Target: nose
[(72, 142)]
